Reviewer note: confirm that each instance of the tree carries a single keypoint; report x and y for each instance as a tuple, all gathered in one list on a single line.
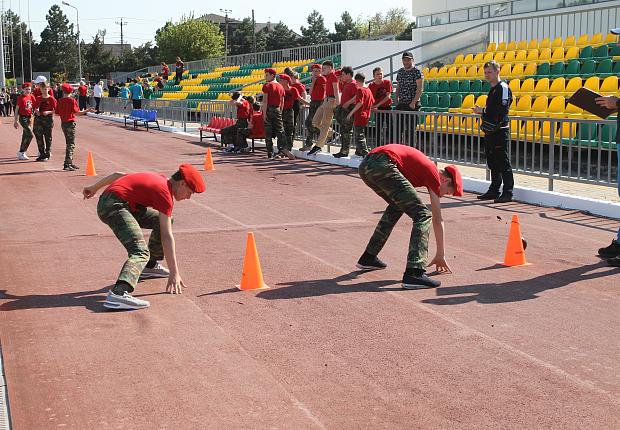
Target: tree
[(406, 34), (98, 59), (190, 39), (57, 51), (281, 37), (13, 24), (241, 41), (345, 29), (316, 32), (394, 22)]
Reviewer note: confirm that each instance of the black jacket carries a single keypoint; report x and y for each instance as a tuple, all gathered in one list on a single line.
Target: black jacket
[(498, 104)]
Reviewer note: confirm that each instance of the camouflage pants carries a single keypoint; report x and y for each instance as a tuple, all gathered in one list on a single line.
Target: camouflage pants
[(359, 134), (346, 128), (127, 227), (68, 128), (27, 134), (383, 177), (42, 129), (313, 132), (229, 134), (273, 123), (288, 120)]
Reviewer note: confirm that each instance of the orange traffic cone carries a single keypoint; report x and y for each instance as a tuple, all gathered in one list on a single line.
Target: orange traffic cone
[(209, 161), (252, 277), (90, 165), (515, 254)]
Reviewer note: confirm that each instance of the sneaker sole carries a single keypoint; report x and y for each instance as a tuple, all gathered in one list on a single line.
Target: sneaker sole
[(417, 286), (361, 266), (152, 276), (122, 306)]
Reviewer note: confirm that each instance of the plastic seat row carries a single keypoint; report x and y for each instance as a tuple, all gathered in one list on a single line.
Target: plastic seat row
[(583, 40)]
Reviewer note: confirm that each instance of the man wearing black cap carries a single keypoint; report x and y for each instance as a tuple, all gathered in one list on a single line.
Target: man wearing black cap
[(409, 90), (612, 252)]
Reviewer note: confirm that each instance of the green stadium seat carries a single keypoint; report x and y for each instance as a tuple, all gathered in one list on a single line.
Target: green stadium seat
[(604, 68), (608, 135), (454, 87), (600, 52), (476, 87), (557, 70), (426, 83), (586, 53), (444, 103), (486, 87), (424, 99), (444, 87), (616, 69), (464, 87), (572, 69), (543, 70), (433, 86), (588, 68), (433, 101), (456, 100)]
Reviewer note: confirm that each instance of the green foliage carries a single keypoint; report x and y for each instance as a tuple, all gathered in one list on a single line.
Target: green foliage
[(12, 28), (395, 21), (281, 37), (316, 32), (57, 50), (190, 39), (345, 29), (241, 41), (98, 59)]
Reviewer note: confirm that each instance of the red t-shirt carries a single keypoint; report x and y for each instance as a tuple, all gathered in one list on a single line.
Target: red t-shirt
[(144, 189), (290, 96), (362, 115), (244, 109), (82, 90), (318, 90), (25, 103), (45, 105), (349, 90), (258, 125), (66, 108), (301, 88), (275, 92), (329, 86), (37, 92), (379, 91), (419, 170), (165, 72)]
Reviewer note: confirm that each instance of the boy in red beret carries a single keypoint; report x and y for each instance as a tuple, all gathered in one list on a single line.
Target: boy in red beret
[(144, 200), (393, 171), (67, 108), (273, 103), (291, 95), (361, 114), (325, 113), (317, 95), (23, 116)]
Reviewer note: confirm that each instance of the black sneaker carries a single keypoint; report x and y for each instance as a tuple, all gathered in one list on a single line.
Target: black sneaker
[(361, 154), (370, 262), (74, 167), (614, 262), (504, 198), (314, 150), (68, 168), (488, 196), (339, 155), (416, 279), (611, 251), (269, 155), (42, 158)]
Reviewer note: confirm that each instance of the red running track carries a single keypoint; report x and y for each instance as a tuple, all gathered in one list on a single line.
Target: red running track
[(326, 347)]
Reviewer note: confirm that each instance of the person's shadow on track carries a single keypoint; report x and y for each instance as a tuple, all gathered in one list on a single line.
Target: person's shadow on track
[(515, 291), (91, 300)]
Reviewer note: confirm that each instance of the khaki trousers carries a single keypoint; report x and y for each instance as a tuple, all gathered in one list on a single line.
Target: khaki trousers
[(323, 120)]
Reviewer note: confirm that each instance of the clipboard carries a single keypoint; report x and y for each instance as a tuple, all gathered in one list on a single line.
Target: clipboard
[(584, 98)]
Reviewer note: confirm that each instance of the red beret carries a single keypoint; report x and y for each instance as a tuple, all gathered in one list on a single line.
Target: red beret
[(316, 66), (456, 179), (67, 88), (192, 178), (271, 70), (285, 77), (338, 72), (26, 84)]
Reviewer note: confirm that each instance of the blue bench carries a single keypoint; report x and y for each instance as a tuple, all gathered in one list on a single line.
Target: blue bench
[(142, 116)]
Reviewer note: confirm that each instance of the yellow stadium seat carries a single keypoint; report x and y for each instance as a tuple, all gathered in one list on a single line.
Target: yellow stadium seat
[(451, 73), (470, 124), (506, 71), (544, 55), (556, 107), (545, 43), (425, 71), (481, 100), (527, 87), (571, 53), (572, 85), (501, 46), (572, 111), (472, 72), (510, 57), (558, 86), (521, 56), (558, 55), (459, 59), (515, 87), (442, 73), (611, 38), (522, 45), (515, 129), (524, 106), (469, 59), (532, 55), (487, 57), (570, 41), (479, 58), (512, 46), (432, 74), (530, 69), (597, 40), (546, 130), (499, 56), (566, 130), (428, 124), (461, 73), (531, 129), (517, 70), (466, 106), (533, 44), (609, 86), (492, 47), (542, 87), (592, 83), (582, 41), (558, 42)]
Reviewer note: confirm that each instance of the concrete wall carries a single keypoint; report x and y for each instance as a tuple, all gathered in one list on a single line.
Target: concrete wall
[(427, 7), (358, 52)]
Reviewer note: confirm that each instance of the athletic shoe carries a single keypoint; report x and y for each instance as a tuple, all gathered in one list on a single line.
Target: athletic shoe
[(74, 167), (278, 155), (314, 150), (126, 301), (42, 158), (269, 155), (68, 168), (158, 271), (504, 198), (339, 155), (417, 280), (305, 148), (361, 154), (489, 195), (370, 262), (22, 156), (614, 262), (611, 251), (287, 153), (230, 149)]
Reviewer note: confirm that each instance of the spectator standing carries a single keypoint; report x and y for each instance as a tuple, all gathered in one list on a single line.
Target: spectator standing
[(136, 94), (273, 102), (301, 89), (382, 92), (112, 90), (83, 95), (14, 97), (361, 113), (179, 69), (68, 109), (325, 113), (147, 91), (97, 94), (23, 117), (317, 95), (43, 109), (57, 92), (291, 95), (3, 102), (165, 71), (347, 101), (408, 92)]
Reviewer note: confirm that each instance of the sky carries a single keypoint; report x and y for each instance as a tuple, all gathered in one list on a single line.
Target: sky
[(144, 17)]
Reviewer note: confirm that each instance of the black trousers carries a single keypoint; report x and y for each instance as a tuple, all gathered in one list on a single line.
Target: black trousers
[(498, 161), (83, 102), (97, 102)]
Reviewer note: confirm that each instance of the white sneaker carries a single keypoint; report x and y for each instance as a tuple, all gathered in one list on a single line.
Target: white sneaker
[(22, 156), (126, 301), (158, 271)]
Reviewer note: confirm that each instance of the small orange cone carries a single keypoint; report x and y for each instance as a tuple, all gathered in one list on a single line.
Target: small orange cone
[(90, 165), (209, 161), (252, 277), (515, 254)]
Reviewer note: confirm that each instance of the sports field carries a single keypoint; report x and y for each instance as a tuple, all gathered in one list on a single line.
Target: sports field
[(326, 346)]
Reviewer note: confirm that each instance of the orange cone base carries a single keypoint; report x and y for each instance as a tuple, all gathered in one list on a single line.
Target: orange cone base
[(264, 287), (516, 265)]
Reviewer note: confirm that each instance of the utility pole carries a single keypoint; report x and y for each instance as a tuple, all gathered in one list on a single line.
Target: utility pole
[(77, 21), (253, 35), (2, 81), (122, 23), (226, 12), (21, 39)]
